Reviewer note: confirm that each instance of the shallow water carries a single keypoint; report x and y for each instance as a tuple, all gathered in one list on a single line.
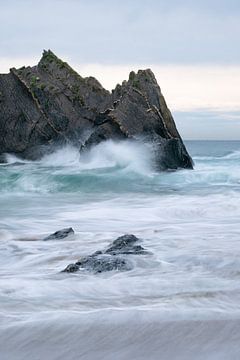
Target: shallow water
[(188, 220)]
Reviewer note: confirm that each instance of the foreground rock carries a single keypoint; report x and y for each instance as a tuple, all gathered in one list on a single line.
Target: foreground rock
[(111, 258), (99, 264), (49, 105)]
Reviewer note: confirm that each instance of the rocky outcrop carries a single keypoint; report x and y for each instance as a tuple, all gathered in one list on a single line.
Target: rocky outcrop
[(110, 259), (49, 105)]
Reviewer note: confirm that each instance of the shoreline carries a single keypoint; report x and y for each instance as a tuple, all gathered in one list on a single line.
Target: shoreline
[(135, 336)]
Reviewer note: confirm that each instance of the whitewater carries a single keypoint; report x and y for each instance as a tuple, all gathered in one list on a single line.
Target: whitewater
[(180, 301)]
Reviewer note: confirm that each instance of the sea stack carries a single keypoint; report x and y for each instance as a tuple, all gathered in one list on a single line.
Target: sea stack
[(50, 105)]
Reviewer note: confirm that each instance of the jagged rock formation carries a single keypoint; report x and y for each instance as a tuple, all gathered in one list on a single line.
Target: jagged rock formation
[(50, 104)]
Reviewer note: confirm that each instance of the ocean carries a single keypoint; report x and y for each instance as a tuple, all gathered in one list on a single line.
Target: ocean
[(181, 301)]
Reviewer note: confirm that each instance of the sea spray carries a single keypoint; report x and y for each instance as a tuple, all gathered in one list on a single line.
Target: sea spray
[(129, 155), (115, 167)]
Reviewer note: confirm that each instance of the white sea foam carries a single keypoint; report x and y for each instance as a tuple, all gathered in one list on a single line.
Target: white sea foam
[(132, 156), (169, 304), (13, 159), (66, 156)]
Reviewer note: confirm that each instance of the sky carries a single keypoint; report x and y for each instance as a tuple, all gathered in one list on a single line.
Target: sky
[(192, 46)]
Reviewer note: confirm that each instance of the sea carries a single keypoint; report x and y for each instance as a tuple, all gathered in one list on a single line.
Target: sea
[(180, 301)]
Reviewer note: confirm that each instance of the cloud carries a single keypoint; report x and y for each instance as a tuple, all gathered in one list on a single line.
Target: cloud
[(192, 47), (114, 32)]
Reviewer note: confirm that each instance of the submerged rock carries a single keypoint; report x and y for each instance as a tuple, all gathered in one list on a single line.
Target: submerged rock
[(60, 234), (110, 259), (50, 105)]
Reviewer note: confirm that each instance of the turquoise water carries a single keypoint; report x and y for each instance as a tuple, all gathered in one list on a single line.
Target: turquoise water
[(188, 220)]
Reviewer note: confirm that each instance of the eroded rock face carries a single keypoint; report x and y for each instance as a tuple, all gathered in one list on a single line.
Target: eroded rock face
[(49, 105), (110, 259)]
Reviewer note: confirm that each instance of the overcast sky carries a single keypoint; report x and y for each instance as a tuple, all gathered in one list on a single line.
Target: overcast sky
[(191, 45)]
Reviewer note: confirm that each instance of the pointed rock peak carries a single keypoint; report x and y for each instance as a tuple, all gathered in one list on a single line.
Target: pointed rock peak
[(50, 61), (48, 55), (146, 75), (132, 76), (141, 77), (48, 58), (48, 52)]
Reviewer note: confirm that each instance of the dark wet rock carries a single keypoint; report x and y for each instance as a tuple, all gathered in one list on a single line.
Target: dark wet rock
[(103, 263), (126, 245), (3, 159), (97, 253), (50, 105), (111, 259), (99, 263), (60, 234), (71, 268)]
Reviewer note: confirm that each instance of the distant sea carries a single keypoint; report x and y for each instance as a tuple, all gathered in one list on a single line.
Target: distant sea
[(182, 301)]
